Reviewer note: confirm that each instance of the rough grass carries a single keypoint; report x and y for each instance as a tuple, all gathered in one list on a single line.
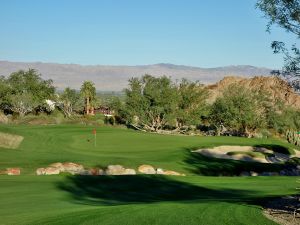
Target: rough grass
[(110, 200)]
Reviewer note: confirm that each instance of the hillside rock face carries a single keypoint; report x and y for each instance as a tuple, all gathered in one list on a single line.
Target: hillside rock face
[(278, 88)]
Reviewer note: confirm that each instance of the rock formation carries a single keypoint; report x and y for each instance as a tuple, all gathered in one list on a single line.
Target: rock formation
[(278, 88)]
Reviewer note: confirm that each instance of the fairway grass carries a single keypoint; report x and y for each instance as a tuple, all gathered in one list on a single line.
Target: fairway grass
[(43, 145), (90, 200), (42, 200)]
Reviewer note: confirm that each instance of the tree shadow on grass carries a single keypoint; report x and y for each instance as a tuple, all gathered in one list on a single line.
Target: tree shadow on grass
[(209, 166), (116, 190)]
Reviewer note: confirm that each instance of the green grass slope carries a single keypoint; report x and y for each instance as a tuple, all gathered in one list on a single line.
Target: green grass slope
[(43, 145), (153, 200), (130, 200)]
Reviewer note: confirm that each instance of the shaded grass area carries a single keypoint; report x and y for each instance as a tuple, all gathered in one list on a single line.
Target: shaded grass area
[(143, 189), (202, 165), (156, 200), (277, 148)]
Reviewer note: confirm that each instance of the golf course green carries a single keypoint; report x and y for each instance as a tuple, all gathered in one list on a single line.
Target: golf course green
[(142, 199)]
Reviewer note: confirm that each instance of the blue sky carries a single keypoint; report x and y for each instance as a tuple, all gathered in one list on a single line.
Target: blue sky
[(138, 32)]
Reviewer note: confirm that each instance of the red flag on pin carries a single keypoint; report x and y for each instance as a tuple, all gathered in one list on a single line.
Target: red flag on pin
[(94, 131)]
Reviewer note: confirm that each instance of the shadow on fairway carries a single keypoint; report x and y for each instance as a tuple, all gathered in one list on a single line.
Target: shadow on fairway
[(208, 166), (143, 189)]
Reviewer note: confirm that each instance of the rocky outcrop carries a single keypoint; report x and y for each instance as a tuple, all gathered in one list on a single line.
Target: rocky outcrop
[(114, 170), (276, 87), (96, 171), (40, 171), (11, 171), (172, 173), (129, 172), (119, 170), (73, 168), (58, 167), (160, 171), (146, 169), (51, 171)]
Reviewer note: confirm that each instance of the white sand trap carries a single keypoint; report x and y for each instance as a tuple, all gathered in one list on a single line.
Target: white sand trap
[(11, 141), (246, 153)]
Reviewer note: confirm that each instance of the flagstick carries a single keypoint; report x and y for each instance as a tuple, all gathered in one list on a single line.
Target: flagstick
[(95, 137)]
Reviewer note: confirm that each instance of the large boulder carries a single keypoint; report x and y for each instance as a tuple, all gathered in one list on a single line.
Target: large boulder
[(51, 171), (72, 168), (13, 171), (160, 171), (115, 170), (96, 171), (146, 169), (58, 165), (172, 173), (253, 174), (129, 172), (40, 171)]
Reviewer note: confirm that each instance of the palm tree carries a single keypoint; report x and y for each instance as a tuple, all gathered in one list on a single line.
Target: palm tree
[(88, 91)]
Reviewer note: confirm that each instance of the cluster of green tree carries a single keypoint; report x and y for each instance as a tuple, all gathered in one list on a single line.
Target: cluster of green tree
[(25, 92), (246, 112), (155, 104)]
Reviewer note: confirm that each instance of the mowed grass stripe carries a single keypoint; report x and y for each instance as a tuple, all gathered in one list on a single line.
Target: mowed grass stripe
[(159, 200)]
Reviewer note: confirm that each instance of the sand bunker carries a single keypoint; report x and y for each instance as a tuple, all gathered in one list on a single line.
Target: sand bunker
[(11, 141), (247, 153)]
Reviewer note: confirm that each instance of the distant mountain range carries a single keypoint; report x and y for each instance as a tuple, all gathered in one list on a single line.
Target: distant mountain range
[(114, 78)]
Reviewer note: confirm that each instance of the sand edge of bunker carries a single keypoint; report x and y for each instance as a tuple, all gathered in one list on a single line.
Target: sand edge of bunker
[(10, 141), (248, 153)]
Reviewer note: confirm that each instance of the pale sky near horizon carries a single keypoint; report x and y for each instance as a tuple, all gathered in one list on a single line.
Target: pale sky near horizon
[(138, 32)]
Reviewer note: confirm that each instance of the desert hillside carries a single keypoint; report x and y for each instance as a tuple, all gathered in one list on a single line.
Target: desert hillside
[(278, 88)]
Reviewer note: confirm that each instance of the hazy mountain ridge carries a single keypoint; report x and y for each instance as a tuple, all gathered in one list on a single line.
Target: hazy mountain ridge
[(115, 78)]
